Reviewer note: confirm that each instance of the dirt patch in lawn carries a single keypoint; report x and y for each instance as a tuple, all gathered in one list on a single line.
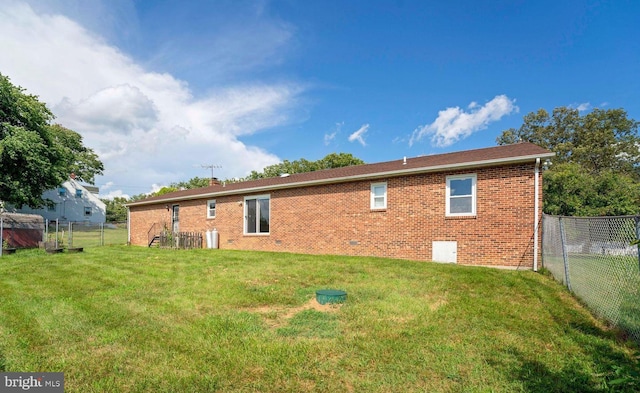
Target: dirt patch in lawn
[(278, 316)]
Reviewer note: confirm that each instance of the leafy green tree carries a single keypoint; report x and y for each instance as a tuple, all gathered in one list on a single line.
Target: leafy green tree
[(165, 190), (115, 209), (596, 170), (571, 191), (333, 160), (34, 155), (600, 140), (79, 159), (138, 197), (196, 182)]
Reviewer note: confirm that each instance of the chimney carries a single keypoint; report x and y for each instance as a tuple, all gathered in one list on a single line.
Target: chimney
[(214, 181)]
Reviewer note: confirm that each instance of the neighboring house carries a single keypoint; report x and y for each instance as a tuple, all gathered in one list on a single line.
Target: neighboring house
[(476, 207), (71, 201)]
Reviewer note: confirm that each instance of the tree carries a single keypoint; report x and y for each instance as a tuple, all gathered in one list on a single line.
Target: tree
[(600, 140), (333, 160), (34, 155), (196, 182), (596, 170), (80, 160), (571, 191), (115, 209)]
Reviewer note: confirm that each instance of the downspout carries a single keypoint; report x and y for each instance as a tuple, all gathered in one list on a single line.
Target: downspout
[(128, 226), (536, 208)]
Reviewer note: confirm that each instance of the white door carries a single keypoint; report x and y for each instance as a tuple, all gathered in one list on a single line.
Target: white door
[(175, 219)]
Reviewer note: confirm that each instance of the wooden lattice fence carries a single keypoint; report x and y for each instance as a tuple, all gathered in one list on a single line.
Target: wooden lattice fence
[(181, 240)]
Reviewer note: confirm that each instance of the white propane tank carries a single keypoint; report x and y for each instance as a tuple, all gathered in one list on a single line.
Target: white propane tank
[(214, 238), (207, 235)]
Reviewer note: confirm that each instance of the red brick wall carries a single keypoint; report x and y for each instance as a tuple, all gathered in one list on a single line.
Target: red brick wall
[(337, 219)]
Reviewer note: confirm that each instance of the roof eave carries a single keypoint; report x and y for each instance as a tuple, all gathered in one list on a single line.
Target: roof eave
[(400, 172)]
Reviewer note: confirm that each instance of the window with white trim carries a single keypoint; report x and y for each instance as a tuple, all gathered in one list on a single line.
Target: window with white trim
[(211, 208), (461, 195), (257, 215), (378, 196)]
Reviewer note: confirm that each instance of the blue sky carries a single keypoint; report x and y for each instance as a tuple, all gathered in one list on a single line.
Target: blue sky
[(160, 88)]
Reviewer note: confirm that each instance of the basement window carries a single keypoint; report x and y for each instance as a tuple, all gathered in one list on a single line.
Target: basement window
[(257, 215), (461, 195)]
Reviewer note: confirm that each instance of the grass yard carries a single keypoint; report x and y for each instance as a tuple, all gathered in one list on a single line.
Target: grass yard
[(129, 319)]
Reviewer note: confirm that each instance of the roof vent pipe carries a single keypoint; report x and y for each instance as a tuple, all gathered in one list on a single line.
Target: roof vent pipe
[(404, 160)]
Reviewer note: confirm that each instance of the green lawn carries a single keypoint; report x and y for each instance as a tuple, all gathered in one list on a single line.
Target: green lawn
[(133, 319)]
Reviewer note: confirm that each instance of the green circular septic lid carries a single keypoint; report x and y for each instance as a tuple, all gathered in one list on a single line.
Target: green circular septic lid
[(324, 296)]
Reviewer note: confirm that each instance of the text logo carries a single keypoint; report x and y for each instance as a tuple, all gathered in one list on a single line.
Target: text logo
[(32, 382)]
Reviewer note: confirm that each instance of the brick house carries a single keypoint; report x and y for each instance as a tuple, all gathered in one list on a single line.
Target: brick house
[(476, 207)]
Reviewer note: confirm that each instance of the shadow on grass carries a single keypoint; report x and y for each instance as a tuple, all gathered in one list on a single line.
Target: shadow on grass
[(604, 367), (608, 368), (537, 377)]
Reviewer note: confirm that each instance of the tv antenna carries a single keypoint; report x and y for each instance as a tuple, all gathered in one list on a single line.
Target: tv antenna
[(212, 167)]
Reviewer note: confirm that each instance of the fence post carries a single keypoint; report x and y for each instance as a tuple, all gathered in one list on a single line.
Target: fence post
[(565, 258), (102, 233), (57, 228), (1, 231), (70, 235), (638, 238)]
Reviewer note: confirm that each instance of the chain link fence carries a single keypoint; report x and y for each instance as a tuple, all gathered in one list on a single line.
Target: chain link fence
[(27, 231), (84, 234), (594, 257)]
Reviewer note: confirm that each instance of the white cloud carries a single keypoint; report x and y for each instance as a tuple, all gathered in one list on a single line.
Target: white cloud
[(453, 124), (585, 106), (117, 109), (147, 127), (359, 135), (330, 137)]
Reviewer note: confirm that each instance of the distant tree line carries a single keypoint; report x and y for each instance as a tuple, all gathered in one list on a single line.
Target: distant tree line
[(116, 211)]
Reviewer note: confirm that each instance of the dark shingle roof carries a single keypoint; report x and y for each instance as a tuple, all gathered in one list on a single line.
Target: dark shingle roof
[(507, 154)]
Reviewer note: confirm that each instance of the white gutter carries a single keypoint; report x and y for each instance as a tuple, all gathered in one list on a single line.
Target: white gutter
[(435, 168), (536, 208)]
